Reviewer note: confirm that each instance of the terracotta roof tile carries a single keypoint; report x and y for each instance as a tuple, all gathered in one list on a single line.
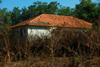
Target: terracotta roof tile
[(55, 20)]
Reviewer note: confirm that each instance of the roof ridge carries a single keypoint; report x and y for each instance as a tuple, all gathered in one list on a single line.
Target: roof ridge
[(57, 15), (36, 18)]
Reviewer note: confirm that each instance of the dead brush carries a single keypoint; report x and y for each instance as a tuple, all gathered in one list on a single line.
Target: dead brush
[(6, 43), (64, 48)]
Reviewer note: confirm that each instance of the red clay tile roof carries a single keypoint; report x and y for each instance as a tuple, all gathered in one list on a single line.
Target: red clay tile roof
[(55, 20)]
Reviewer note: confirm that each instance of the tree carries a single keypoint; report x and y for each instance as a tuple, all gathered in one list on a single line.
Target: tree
[(15, 15), (8, 19), (5, 17), (2, 16), (31, 11), (53, 7), (87, 10), (24, 15), (67, 11), (37, 8), (0, 1), (42, 8)]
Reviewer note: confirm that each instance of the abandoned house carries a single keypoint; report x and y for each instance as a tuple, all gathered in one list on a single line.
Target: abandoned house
[(44, 24)]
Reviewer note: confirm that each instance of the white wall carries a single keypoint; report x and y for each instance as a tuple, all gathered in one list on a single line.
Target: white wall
[(41, 32), (34, 31)]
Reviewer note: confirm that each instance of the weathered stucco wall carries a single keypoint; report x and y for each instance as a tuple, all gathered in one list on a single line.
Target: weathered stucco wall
[(33, 31), (41, 32)]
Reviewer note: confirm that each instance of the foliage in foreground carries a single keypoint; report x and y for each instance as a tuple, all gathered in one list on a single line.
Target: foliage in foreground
[(75, 49)]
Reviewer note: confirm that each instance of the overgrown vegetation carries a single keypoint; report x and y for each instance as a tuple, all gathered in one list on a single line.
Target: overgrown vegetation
[(74, 49)]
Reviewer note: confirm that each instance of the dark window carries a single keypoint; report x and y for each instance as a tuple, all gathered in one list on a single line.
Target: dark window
[(21, 33), (17, 33), (24, 31)]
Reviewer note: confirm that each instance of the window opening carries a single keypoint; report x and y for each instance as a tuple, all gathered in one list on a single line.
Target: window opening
[(21, 33)]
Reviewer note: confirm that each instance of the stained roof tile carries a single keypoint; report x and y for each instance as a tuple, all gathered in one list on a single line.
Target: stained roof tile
[(55, 20)]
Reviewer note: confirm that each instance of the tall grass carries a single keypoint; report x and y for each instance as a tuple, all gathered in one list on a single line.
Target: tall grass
[(74, 49)]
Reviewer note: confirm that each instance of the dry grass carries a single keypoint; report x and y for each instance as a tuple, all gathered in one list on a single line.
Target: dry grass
[(76, 49)]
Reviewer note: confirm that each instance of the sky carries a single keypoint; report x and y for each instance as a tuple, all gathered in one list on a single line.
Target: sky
[(10, 4)]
